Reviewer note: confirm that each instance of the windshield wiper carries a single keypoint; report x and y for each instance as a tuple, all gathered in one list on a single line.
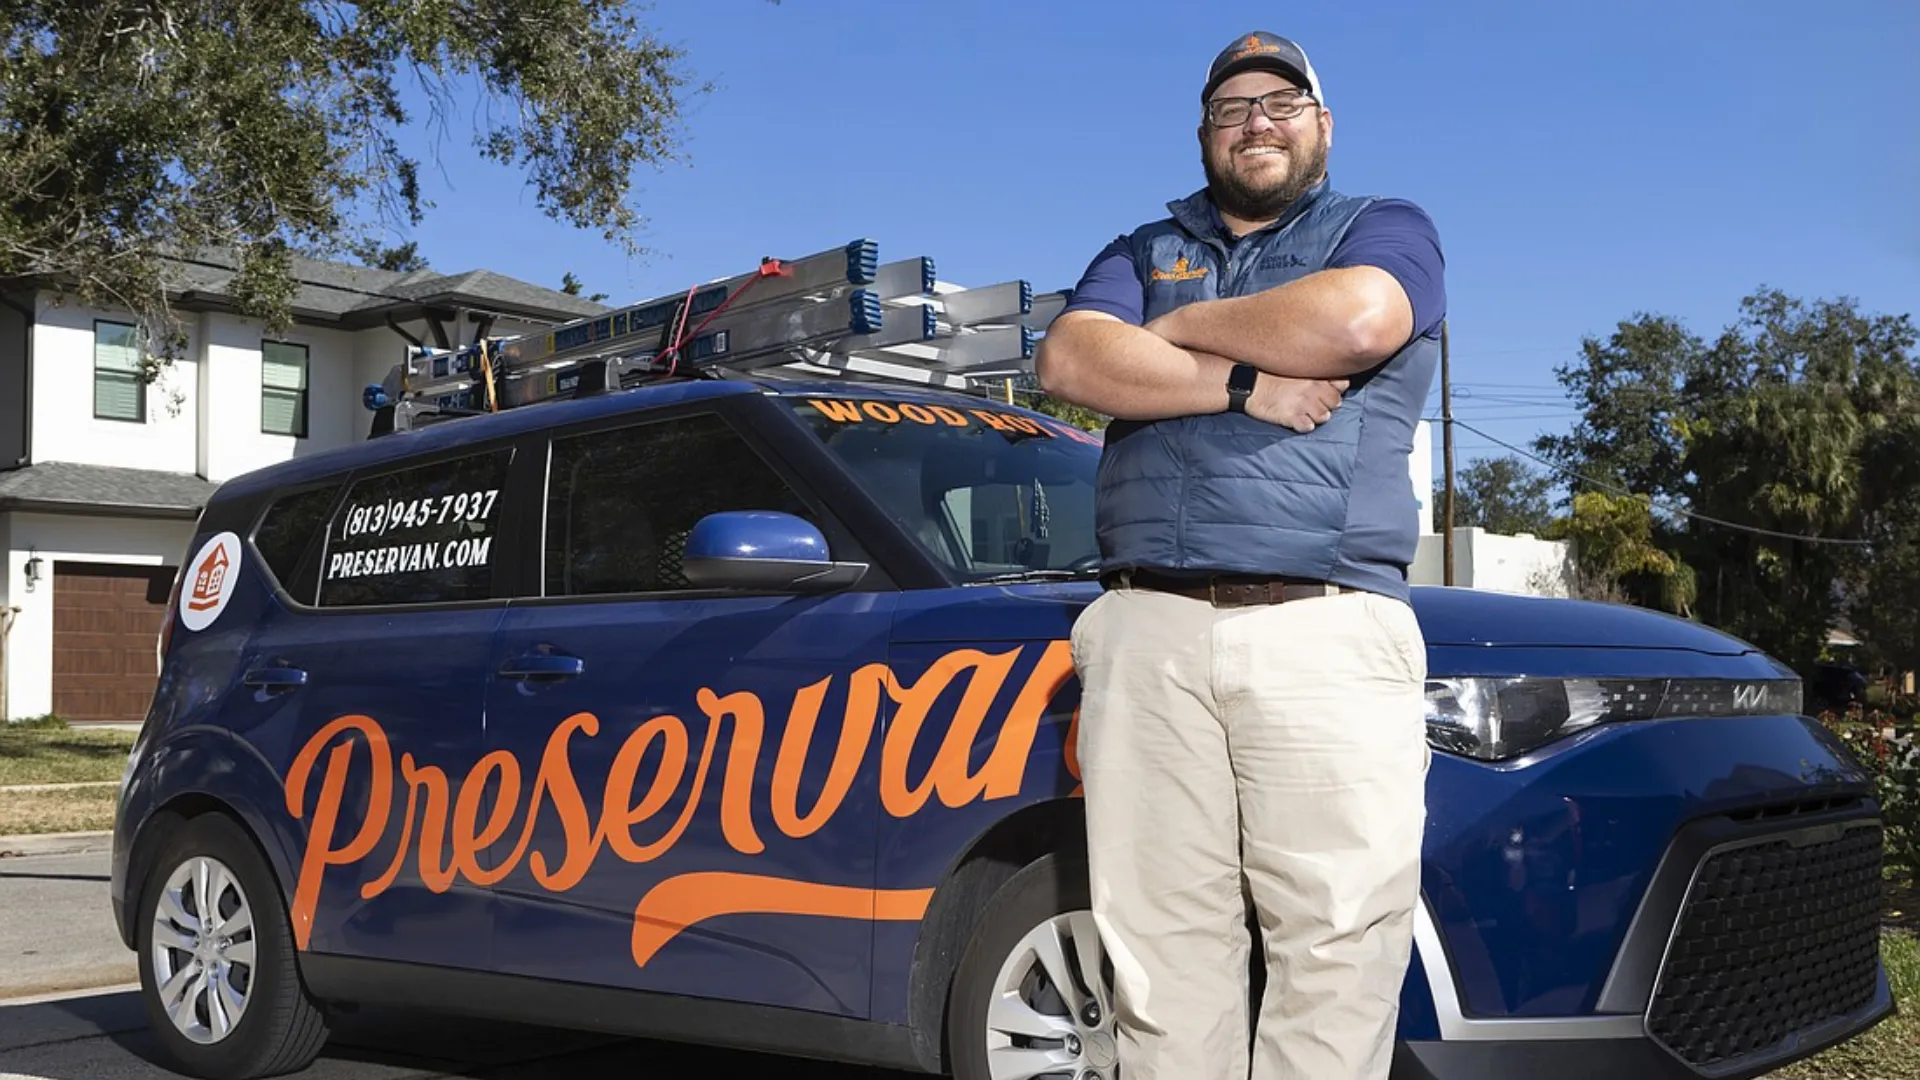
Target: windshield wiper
[(1038, 575)]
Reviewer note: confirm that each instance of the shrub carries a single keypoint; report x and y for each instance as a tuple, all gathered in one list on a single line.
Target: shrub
[(1888, 744)]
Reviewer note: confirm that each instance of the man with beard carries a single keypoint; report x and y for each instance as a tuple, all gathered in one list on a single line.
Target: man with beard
[(1252, 722)]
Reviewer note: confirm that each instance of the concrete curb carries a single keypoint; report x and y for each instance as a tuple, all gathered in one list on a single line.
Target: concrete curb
[(74, 785), (55, 843), (82, 988)]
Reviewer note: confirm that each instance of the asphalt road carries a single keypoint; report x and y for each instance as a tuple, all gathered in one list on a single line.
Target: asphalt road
[(58, 932)]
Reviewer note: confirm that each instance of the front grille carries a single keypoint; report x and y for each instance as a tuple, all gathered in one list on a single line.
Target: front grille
[(1774, 939)]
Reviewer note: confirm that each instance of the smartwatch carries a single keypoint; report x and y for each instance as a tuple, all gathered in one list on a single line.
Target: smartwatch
[(1240, 386)]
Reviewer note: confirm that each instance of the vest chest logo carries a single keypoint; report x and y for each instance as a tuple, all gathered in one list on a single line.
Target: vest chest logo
[(1284, 260), (1180, 271)]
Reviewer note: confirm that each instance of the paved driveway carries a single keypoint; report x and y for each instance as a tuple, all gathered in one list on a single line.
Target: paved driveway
[(67, 940)]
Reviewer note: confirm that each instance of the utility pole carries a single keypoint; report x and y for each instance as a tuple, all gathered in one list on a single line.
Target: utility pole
[(1446, 421)]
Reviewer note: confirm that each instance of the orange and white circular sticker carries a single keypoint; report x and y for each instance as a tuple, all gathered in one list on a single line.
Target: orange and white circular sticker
[(210, 580)]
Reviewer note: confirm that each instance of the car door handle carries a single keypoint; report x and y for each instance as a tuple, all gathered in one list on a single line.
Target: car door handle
[(276, 678), (543, 666)]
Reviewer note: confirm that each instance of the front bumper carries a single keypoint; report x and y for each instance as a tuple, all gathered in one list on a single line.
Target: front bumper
[(1634, 1058), (1756, 945)]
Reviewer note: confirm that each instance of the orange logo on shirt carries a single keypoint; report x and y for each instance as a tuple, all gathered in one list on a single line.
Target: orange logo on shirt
[(1180, 272), (208, 580), (447, 824)]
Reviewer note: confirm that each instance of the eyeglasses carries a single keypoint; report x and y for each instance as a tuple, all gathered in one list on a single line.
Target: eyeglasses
[(1278, 105)]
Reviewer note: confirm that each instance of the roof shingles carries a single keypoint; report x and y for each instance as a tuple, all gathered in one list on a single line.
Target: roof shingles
[(341, 291), (57, 485)]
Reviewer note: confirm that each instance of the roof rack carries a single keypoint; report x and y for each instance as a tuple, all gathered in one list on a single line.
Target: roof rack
[(838, 312)]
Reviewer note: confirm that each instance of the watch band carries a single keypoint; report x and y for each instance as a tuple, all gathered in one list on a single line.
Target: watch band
[(1240, 386)]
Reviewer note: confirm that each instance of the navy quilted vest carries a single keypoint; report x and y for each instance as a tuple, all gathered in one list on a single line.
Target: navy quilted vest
[(1230, 493)]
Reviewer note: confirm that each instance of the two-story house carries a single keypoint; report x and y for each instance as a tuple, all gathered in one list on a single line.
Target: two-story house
[(102, 476)]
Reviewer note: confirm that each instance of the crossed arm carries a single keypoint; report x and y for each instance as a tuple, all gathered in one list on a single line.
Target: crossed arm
[(1323, 327)]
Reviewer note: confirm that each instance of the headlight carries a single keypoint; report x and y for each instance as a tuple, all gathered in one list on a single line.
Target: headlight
[(1496, 718)]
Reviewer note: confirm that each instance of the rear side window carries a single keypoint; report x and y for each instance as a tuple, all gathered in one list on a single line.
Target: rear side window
[(423, 535), (621, 503), (290, 529)]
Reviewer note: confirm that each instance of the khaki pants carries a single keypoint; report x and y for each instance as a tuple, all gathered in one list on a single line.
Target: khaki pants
[(1274, 753)]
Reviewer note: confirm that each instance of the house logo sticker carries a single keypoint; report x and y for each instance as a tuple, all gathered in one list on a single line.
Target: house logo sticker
[(212, 576)]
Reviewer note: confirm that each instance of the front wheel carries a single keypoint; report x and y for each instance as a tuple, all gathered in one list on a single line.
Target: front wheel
[(218, 974), (1032, 997)]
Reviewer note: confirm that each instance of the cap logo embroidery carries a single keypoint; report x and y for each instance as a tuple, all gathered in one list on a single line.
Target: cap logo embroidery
[(1180, 272), (1253, 47)]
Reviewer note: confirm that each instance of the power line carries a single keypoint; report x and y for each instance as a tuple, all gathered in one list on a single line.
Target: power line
[(1669, 509)]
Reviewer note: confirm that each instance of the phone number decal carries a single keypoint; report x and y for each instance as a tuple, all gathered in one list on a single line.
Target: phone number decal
[(380, 519)]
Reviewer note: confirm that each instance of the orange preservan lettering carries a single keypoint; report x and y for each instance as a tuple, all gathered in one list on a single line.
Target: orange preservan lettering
[(469, 842), (320, 852), (617, 814), (555, 780), (949, 774), (862, 715), (679, 902), (442, 826)]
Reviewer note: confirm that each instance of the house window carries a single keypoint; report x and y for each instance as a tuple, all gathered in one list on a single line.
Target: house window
[(118, 393), (283, 389)]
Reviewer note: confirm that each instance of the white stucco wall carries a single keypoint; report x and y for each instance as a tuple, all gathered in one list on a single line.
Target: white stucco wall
[(1484, 560), (6, 608), (231, 441), (64, 428), (76, 539), (1519, 564), (1421, 466), (204, 413)]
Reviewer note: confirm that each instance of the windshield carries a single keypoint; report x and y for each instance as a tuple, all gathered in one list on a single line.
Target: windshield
[(991, 492)]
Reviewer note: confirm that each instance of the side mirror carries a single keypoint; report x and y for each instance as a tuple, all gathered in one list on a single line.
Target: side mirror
[(756, 549)]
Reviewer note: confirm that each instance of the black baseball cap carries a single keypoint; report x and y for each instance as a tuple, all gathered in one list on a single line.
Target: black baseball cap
[(1261, 50)]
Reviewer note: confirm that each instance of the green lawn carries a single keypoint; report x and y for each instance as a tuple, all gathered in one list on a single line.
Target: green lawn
[(38, 752)]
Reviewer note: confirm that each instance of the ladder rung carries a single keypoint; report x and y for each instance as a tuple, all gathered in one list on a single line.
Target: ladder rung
[(833, 363), (1009, 300), (855, 264)]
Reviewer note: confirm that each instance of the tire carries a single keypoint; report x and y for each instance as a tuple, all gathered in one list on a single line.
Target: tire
[(279, 1029), (1002, 969)]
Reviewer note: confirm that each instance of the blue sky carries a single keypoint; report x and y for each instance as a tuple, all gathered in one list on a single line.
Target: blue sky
[(1584, 162)]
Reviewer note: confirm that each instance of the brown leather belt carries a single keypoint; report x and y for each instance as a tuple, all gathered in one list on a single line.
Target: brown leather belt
[(1226, 590)]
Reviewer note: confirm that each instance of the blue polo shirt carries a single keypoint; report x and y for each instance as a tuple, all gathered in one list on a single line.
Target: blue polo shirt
[(1392, 234)]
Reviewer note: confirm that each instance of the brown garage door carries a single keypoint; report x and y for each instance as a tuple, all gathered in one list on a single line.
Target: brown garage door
[(105, 622)]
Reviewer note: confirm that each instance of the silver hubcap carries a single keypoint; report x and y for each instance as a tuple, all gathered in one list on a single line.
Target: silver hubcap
[(1052, 1010), (203, 950)]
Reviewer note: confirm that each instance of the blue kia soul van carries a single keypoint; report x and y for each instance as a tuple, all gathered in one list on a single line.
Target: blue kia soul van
[(741, 712)]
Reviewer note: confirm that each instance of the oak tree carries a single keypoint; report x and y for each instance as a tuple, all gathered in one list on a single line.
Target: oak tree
[(141, 131)]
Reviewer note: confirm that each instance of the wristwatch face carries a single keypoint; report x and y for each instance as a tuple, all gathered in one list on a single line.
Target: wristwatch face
[(1240, 386)]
